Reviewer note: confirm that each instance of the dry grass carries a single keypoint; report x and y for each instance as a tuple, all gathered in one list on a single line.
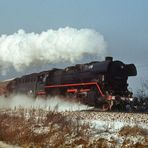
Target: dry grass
[(38, 128), (132, 131), (52, 129)]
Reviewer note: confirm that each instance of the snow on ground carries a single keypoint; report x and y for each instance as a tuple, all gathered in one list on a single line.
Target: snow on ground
[(4, 145), (108, 124), (110, 130), (105, 125)]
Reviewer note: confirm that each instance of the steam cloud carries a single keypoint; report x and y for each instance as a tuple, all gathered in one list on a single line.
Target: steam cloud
[(21, 49), (54, 103)]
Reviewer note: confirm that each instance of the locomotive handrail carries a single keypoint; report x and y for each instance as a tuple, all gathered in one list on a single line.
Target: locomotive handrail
[(77, 84)]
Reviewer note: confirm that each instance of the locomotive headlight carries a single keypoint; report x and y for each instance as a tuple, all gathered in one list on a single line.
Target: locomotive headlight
[(113, 97), (131, 99)]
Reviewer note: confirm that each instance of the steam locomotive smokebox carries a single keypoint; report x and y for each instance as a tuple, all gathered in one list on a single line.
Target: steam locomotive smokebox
[(109, 59)]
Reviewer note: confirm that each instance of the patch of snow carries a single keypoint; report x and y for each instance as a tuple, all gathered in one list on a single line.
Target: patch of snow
[(4, 145)]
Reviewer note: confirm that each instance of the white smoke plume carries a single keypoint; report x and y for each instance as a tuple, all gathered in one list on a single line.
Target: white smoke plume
[(52, 104), (21, 49)]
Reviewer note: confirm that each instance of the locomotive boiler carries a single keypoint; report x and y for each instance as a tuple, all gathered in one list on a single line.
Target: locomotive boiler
[(101, 84)]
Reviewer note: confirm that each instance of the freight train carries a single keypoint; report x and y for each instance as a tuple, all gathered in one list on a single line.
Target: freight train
[(102, 84)]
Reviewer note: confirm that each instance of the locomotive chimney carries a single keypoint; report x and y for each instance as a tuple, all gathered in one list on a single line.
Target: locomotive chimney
[(109, 59)]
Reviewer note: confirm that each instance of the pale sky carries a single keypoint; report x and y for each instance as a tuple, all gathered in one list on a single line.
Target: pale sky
[(123, 23)]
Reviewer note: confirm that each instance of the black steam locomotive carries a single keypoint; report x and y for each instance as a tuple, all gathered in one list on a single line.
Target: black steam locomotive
[(100, 84)]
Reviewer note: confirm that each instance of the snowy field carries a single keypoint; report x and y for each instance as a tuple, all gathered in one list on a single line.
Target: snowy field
[(58, 123)]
